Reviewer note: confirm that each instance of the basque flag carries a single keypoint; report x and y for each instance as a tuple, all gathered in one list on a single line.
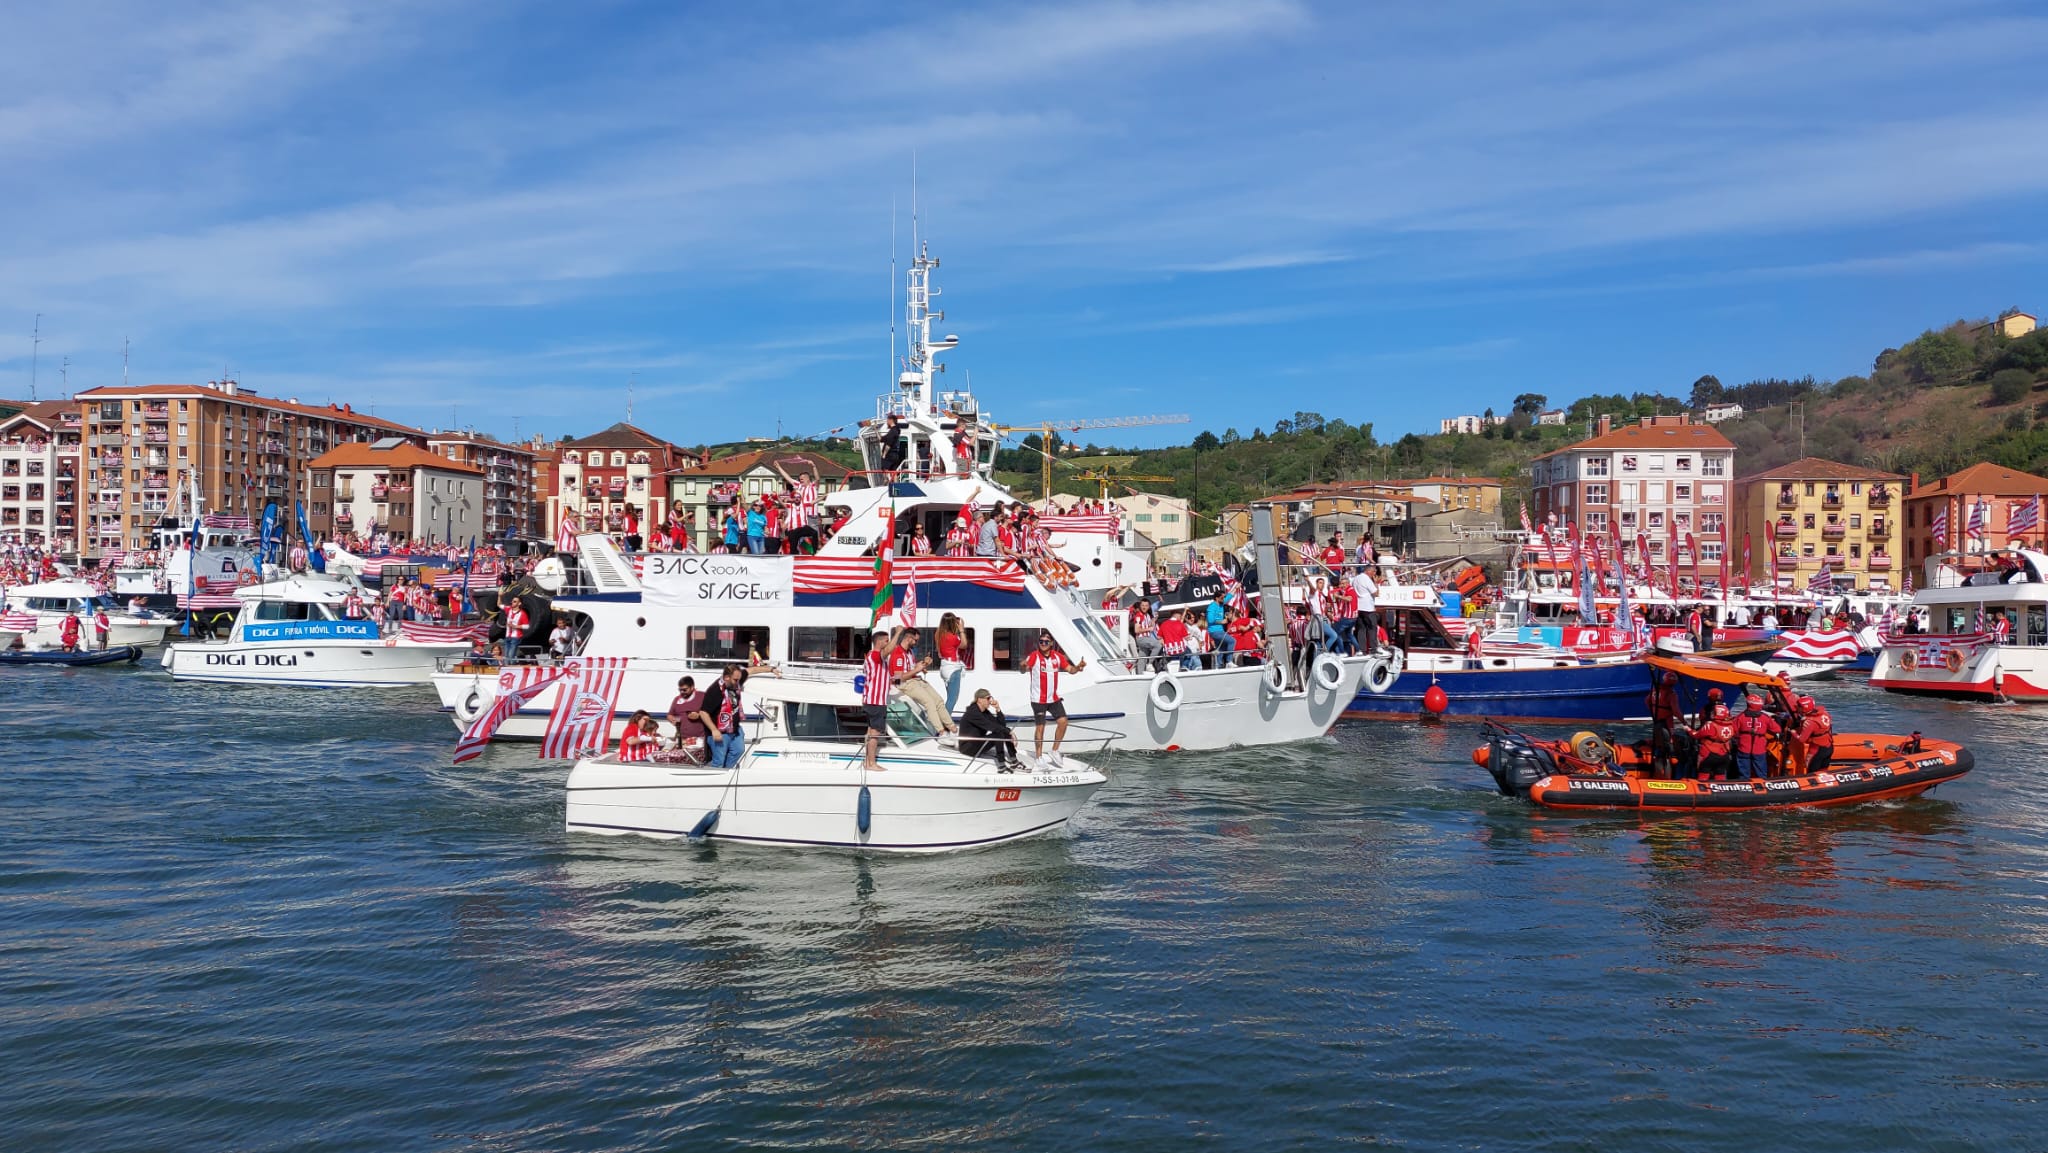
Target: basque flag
[(885, 576)]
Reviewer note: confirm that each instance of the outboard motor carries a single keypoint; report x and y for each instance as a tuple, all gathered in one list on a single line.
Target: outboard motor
[(1516, 764)]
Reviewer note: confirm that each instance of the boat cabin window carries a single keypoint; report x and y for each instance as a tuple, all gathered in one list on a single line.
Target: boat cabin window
[(842, 646), (819, 722), (1106, 646), (730, 643), (2037, 626), (1954, 619), (1009, 647), (1408, 629), (49, 604), (283, 611)]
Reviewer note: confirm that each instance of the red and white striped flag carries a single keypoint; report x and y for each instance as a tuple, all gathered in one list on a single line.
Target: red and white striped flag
[(2024, 515), (516, 687), (565, 533), (1978, 517), (423, 632), (19, 621), (581, 720), (1940, 525), (907, 614)]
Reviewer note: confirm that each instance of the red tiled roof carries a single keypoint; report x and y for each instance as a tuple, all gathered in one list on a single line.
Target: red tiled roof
[(404, 456), (1816, 468), (1661, 436), (623, 435), (243, 396), (1985, 480)]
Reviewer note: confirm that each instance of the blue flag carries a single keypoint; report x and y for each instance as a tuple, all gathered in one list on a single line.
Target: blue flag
[(270, 533), (314, 556)]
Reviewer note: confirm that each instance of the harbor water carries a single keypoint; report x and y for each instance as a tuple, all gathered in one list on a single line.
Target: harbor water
[(255, 920)]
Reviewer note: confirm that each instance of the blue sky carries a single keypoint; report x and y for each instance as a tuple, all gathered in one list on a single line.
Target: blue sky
[(489, 212)]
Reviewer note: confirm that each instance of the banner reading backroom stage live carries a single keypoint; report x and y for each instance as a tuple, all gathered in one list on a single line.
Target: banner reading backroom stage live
[(710, 580)]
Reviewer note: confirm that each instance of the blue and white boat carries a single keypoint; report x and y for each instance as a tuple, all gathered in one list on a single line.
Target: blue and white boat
[(293, 631)]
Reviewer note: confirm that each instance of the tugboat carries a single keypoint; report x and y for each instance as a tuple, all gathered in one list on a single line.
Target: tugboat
[(1591, 771)]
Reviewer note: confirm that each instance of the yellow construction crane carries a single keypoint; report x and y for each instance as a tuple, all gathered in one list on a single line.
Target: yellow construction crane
[(1104, 479), (1047, 428)]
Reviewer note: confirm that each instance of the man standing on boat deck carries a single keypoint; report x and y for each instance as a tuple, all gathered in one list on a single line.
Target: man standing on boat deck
[(70, 633), (874, 696), (1753, 732), (686, 713), (1663, 705), (101, 626), (1043, 668), (721, 714), (1367, 619)]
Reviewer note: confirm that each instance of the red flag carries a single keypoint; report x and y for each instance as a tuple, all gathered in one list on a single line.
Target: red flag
[(516, 687), (1671, 555), (1746, 570), (884, 601), (1724, 570), (1692, 545)]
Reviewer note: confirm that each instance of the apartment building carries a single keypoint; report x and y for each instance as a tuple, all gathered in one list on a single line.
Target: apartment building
[(1813, 514), (508, 479), (1660, 478), (1947, 504), (143, 443), (601, 475), (394, 487), (40, 468)]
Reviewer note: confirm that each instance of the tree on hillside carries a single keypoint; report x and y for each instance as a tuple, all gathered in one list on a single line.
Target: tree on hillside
[(1938, 357), (1531, 403), (1706, 390), (2011, 385), (2029, 352), (1205, 441)]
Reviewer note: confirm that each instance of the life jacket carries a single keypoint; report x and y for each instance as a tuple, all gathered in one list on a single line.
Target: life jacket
[(1715, 738), (1663, 705), (1753, 732), (1817, 732)]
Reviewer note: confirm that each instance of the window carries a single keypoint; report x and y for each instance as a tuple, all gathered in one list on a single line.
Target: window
[(1710, 494), (1009, 647), (1685, 464), (726, 643), (1628, 464), (1711, 522), (1856, 549), (1596, 466), (1710, 551), (1809, 488), (1596, 494), (1596, 522), (1628, 519), (1656, 462), (1855, 488), (1656, 520), (571, 457), (618, 460), (1169, 518), (1142, 517), (323, 480), (1713, 466), (1682, 521), (827, 645), (1806, 549), (1855, 520), (1653, 492), (1681, 492), (1806, 520)]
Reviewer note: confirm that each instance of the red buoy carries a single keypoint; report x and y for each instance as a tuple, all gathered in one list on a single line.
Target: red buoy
[(1436, 700)]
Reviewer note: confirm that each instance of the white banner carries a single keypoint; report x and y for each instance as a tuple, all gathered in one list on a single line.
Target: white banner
[(708, 580)]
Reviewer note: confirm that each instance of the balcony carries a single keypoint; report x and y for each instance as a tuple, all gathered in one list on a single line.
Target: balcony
[(1831, 499), (110, 460), (156, 411), (1834, 530), (1784, 528), (1878, 527), (156, 437), (345, 495), (158, 505), (377, 491), (1787, 500), (1880, 497), (155, 484), (1880, 562)]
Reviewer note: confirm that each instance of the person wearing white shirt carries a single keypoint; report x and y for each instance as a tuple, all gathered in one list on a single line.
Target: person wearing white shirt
[(1368, 591)]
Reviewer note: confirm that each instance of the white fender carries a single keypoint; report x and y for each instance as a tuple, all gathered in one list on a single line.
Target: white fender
[(1379, 674), (1328, 670), (1274, 678), (1165, 692)]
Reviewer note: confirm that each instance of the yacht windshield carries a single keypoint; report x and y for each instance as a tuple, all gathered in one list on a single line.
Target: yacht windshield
[(1105, 646), (908, 723)]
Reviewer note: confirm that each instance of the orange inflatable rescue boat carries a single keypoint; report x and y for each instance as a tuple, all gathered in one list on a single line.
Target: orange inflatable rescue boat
[(1591, 772)]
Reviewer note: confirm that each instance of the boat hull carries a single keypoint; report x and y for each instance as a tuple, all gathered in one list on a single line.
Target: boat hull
[(113, 655), (1563, 694), (813, 799), (1872, 769), (1212, 713), (313, 664), (1989, 673)]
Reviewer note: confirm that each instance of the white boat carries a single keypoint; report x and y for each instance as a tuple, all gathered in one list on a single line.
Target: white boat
[(50, 602), (1956, 645), (800, 781), (691, 613), (292, 631)]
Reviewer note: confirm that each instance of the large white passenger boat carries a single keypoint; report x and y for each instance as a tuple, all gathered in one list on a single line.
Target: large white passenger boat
[(292, 631), (801, 781), (1978, 629), (50, 602), (691, 613)]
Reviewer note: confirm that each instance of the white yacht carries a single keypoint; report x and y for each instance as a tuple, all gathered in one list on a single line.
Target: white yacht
[(1978, 630), (691, 613), (291, 631), (801, 781), (49, 602)]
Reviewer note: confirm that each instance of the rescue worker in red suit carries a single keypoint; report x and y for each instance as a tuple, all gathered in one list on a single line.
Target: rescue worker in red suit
[(1816, 734), (1716, 735), (1664, 719), (1753, 732), (71, 628)]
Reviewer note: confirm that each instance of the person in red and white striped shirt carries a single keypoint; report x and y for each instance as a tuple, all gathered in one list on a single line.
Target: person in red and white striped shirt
[(1042, 671), (801, 522), (874, 696)]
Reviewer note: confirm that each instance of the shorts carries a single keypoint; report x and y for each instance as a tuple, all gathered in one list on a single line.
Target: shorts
[(876, 715), (1052, 711)]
